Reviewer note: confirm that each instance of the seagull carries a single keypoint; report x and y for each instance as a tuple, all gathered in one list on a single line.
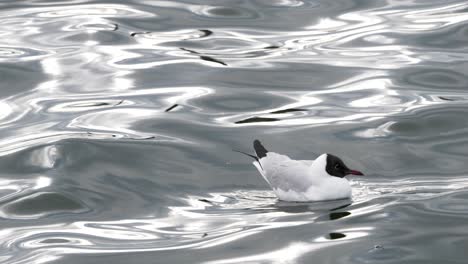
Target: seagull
[(303, 180)]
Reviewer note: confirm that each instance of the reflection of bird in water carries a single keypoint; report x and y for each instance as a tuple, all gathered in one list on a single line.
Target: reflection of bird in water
[(303, 180)]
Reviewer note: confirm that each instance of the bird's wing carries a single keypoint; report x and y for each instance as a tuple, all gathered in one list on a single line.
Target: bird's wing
[(307, 162), (283, 173)]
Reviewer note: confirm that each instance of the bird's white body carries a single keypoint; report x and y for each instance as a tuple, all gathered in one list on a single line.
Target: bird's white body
[(301, 180)]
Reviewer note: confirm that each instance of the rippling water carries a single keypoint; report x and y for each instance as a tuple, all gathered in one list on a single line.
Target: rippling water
[(118, 119)]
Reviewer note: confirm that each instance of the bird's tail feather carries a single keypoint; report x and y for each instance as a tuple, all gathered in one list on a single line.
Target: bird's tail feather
[(252, 156), (259, 149)]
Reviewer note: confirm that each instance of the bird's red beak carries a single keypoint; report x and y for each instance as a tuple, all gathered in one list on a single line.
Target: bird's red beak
[(355, 172)]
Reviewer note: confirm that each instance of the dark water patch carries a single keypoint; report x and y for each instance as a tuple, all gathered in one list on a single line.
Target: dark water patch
[(42, 204), (133, 34), (452, 98), (257, 120), (288, 111), (338, 215), (447, 98), (143, 138), (206, 32), (224, 11), (171, 108), (333, 236), (211, 59), (190, 51), (205, 201)]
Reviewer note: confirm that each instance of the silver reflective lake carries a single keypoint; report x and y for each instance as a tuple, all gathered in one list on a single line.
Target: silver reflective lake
[(118, 120)]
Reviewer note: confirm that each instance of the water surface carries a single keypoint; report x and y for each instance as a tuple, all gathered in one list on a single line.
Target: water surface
[(118, 118)]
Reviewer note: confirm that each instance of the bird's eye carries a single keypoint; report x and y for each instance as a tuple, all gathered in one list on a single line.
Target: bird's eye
[(337, 166)]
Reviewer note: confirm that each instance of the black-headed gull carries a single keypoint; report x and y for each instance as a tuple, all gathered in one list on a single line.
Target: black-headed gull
[(303, 180)]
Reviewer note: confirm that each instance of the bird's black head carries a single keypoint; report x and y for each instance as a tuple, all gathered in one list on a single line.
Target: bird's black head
[(336, 167)]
